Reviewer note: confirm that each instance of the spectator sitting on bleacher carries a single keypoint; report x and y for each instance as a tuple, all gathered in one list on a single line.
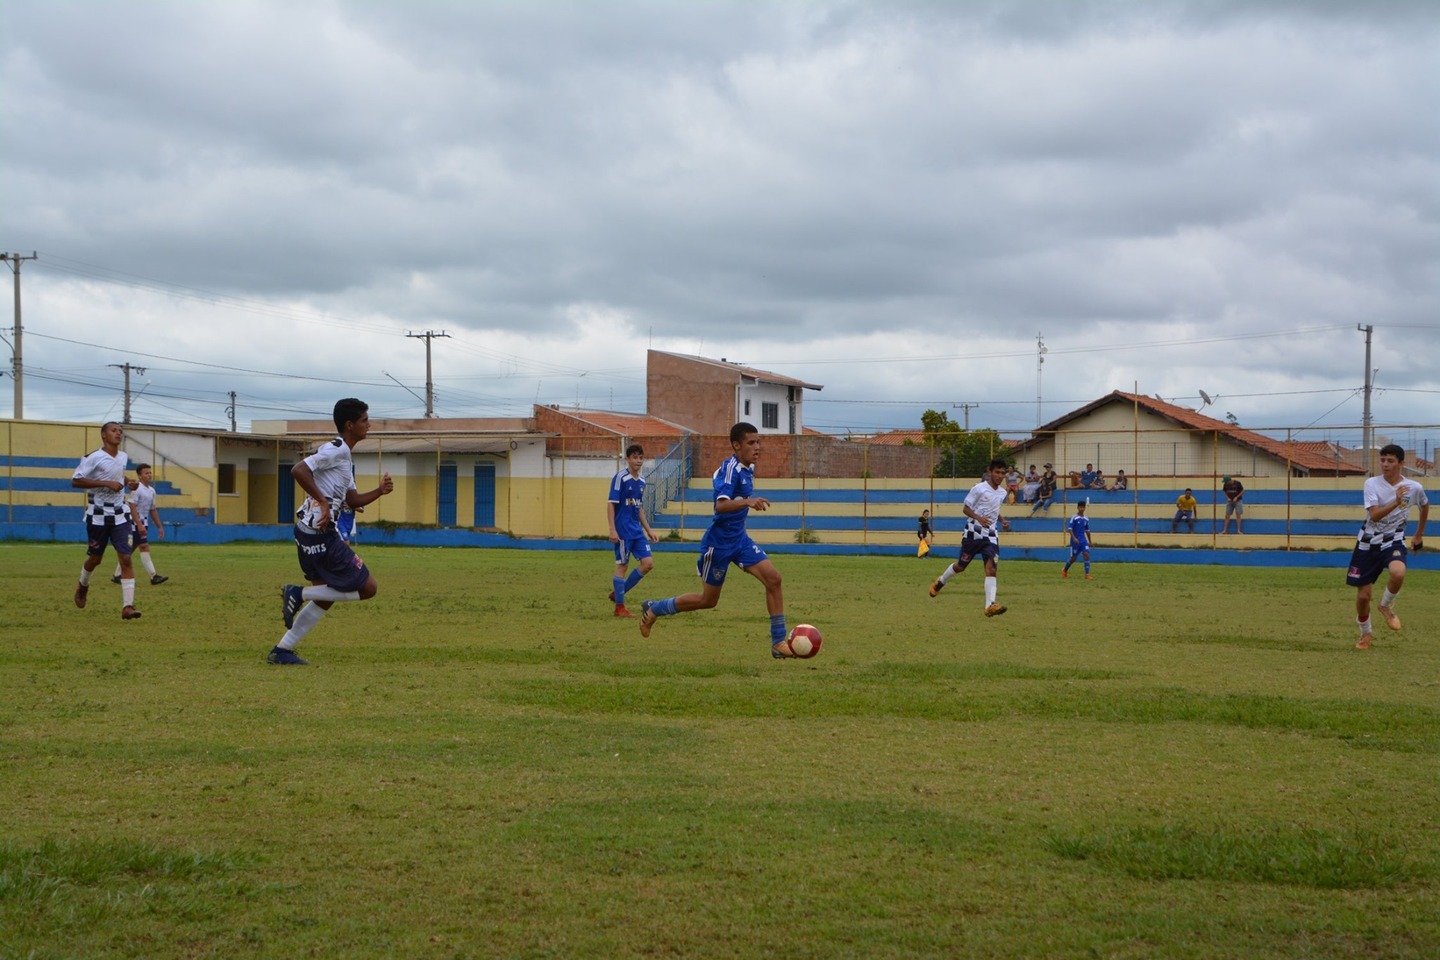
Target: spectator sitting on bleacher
[(1046, 492), (1012, 484), (1185, 507), (1122, 482), (1089, 478), (1031, 485)]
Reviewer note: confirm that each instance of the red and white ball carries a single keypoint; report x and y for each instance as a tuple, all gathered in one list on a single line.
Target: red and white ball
[(804, 641)]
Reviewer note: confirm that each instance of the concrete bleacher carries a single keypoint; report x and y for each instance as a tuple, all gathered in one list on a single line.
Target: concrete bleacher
[(38, 490), (1279, 514)]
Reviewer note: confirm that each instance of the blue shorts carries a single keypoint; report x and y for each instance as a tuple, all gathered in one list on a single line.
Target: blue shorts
[(1077, 549), (110, 531), (713, 564), (984, 549), (636, 549), (325, 558), (1367, 565)]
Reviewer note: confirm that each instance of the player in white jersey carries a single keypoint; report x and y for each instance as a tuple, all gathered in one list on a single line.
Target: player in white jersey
[(143, 516), (335, 572), (107, 522), (1380, 546), (982, 534)]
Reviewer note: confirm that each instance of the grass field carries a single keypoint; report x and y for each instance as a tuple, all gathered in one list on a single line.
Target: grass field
[(1164, 762)]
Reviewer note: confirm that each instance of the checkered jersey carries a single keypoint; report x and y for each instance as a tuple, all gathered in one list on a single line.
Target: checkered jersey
[(1389, 530), (102, 504), (986, 501), (334, 474)]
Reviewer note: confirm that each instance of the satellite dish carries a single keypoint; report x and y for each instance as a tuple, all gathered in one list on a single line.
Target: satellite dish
[(1206, 397)]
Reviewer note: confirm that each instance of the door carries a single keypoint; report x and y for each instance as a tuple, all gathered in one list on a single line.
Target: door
[(445, 496), (484, 494)]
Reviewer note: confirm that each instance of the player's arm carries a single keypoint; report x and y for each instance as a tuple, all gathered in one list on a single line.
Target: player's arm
[(356, 500), (1417, 542), (983, 521), (733, 504), (305, 476), (88, 483), (155, 516), (610, 518)]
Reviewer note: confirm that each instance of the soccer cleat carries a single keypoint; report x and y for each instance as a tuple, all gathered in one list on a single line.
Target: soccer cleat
[(115, 578), (1064, 574), (1363, 643), (1391, 621), (129, 613), (1088, 577), (620, 611), (157, 580), (610, 596), (936, 587), (779, 654), (285, 658), (82, 590), (291, 600), (995, 609), (647, 617)]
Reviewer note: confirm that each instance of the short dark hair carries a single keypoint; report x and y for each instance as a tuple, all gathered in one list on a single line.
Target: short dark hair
[(348, 410), (740, 430), (1393, 450), (108, 424), (998, 462), (634, 448), (142, 466)]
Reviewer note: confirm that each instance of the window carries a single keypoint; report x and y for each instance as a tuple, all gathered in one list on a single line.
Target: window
[(770, 416), (747, 407), (227, 479)]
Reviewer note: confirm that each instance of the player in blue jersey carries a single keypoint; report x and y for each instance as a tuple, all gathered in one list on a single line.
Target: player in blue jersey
[(1079, 527), (336, 573), (982, 535), (629, 528), (726, 542)]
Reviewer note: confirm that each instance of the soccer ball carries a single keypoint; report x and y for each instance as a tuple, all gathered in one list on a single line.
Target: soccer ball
[(804, 641)]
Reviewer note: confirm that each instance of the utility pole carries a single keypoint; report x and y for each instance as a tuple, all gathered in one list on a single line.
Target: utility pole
[(127, 367), (1039, 362), (1366, 430), (14, 259), (427, 336), (966, 407), (230, 411)]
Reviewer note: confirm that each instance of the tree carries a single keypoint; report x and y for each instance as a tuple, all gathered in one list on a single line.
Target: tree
[(959, 452)]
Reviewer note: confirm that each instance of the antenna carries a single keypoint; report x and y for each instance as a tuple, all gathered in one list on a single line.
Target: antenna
[(1207, 399)]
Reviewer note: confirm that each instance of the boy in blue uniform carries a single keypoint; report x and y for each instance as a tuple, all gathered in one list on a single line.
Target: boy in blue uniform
[(336, 573), (629, 528), (1079, 527), (727, 542)]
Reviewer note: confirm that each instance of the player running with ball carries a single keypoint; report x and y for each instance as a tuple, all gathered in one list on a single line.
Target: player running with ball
[(982, 534), (727, 542), (1380, 546)]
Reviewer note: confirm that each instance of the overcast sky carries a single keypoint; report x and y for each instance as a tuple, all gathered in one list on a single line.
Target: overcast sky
[(894, 199)]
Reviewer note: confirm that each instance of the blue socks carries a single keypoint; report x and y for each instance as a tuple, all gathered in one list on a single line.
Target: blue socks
[(777, 628), (618, 586), (633, 579), (663, 608)]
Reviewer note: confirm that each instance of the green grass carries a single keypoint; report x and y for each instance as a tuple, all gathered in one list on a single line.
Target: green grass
[(483, 762)]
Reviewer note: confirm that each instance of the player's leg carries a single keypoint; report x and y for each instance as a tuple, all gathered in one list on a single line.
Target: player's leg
[(1065, 571), (120, 537), (1362, 615), (712, 570), (952, 568), (95, 541), (992, 582), (1396, 580), (617, 578), (640, 551), (1086, 554), (765, 572)]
